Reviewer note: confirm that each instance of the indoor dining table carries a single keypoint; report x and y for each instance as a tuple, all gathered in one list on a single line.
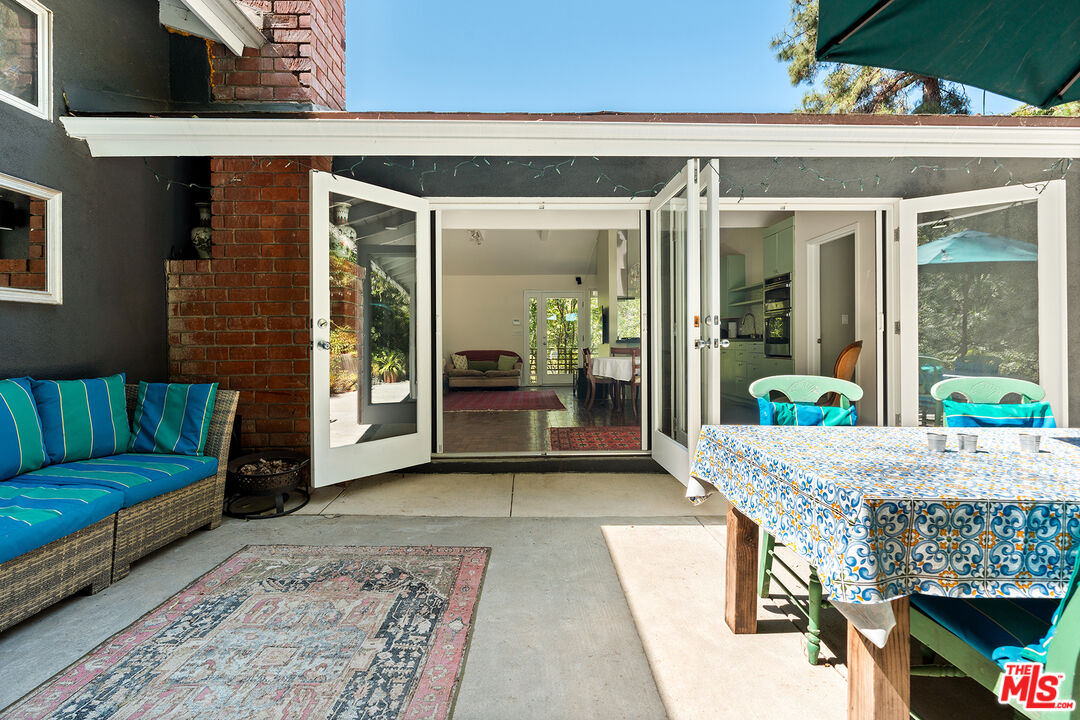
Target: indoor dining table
[(619, 368), (882, 517)]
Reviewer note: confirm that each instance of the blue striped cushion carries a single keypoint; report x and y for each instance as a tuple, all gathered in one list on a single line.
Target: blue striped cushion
[(1025, 415), (135, 476), (32, 516), (173, 418), (770, 413), (82, 418), (21, 446)]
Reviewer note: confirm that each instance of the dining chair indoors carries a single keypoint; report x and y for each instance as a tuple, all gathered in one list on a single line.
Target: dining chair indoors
[(844, 368), (635, 381), (593, 379), (802, 393)]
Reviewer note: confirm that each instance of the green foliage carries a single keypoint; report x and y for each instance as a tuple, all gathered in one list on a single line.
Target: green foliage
[(390, 365), (854, 88), (596, 323), (629, 318), (1070, 109)]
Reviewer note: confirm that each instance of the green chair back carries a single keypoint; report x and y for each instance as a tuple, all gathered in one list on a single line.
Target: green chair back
[(806, 388), (987, 389)]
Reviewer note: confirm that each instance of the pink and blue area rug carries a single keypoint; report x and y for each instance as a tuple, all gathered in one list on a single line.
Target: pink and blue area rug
[(284, 631)]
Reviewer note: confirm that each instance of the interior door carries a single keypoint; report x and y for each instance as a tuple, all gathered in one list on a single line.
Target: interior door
[(676, 321), (560, 320), (981, 291), (371, 379)]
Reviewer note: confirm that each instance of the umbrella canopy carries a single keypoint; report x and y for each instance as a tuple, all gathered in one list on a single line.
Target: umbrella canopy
[(972, 246), (1024, 50)]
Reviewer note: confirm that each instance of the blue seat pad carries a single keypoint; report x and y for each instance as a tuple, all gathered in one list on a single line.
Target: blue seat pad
[(32, 516), (138, 476), (991, 624)]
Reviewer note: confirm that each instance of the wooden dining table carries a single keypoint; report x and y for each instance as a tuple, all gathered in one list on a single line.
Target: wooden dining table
[(882, 517)]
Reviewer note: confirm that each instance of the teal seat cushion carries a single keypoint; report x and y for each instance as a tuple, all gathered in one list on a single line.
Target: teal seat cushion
[(135, 476), (82, 419), (485, 365), (173, 418), (998, 628), (22, 447), (32, 515), (1024, 415), (775, 413), (507, 362)]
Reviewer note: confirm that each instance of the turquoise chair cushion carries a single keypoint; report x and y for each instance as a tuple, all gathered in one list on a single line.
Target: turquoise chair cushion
[(22, 447), (774, 413), (998, 628), (82, 419), (1023, 415), (134, 476), (173, 418), (32, 516)]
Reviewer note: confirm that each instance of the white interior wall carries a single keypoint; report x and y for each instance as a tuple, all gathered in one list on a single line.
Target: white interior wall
[(747, 242), (479, 310), (837, 302), (814, 224)]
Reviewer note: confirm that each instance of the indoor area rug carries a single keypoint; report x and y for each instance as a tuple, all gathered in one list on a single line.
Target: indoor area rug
[(596, 437), (480, 400), (284, 631)]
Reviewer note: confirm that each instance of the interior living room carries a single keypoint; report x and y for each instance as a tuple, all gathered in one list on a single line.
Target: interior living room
[(542, 341)]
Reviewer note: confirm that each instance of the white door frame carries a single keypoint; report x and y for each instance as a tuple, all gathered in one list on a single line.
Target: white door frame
[(332, 465), (1053, 326)]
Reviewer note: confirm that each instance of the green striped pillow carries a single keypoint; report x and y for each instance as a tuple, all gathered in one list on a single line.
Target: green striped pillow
[(82, 419), (22, 447), (173, 418)]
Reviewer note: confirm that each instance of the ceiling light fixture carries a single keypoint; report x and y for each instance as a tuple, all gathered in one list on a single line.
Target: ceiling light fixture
[(477, 237)]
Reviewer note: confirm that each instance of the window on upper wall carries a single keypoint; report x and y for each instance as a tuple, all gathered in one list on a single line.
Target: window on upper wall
[(26, 56), (29, 242)]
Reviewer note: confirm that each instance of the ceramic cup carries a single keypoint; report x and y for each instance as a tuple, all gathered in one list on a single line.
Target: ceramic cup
[(969, 442), (1030, 442), (935, 441)]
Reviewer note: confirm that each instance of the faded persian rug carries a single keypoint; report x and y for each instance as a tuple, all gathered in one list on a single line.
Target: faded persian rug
[(285, 631)]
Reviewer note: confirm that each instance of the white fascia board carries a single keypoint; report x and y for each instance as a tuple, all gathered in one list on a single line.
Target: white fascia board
[(233, 25), (150, 137)]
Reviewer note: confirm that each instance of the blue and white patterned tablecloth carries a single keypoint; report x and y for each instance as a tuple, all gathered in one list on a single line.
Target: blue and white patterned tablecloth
[(883, 517)]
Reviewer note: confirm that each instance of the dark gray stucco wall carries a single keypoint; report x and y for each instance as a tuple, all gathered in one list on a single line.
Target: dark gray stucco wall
[(740, 177), (119, 223)]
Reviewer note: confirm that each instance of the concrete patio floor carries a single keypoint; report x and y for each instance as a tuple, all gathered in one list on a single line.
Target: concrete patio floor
[(603, 599)]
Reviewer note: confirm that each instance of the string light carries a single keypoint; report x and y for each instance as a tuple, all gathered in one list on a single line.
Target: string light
[(540, 170)]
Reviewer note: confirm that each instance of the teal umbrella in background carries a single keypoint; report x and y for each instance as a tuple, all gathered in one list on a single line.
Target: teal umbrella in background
[(973, 246), (1024, 50)]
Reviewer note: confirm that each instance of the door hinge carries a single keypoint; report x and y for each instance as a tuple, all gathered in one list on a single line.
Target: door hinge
[(896, 327), (896, 419), (896, 234)]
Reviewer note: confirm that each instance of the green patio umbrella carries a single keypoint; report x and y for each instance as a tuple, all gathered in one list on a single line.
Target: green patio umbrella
[(1024, 50)]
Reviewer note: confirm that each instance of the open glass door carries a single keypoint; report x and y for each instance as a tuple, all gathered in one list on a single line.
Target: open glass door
[(981, 291), (676, 322), (371, 330)]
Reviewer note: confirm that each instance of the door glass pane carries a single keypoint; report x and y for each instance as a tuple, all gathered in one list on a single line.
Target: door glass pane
[(562, 335), (978, 296), (18, 51), (372, 321), (671, 245), (533, 329)]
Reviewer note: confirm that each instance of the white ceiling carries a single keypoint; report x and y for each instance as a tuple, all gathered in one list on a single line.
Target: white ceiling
[(520, 252)]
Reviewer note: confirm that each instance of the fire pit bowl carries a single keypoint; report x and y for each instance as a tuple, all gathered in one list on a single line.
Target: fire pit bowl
[(273, 474)]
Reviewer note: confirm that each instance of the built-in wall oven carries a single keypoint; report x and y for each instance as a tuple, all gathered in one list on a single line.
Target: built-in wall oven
[(777, 301)]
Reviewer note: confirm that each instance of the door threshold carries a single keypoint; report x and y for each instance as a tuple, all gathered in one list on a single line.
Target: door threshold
[(547, 463)]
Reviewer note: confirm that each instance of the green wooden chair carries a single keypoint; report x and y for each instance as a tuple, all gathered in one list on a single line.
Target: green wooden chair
[(987, 389), (976, 637), (799, 389)]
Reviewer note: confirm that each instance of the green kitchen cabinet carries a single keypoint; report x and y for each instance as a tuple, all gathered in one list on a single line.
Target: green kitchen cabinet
[(732, 275), (778, 248)]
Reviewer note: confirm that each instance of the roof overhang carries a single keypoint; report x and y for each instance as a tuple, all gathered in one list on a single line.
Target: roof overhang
[(351, 135), (234, 25)]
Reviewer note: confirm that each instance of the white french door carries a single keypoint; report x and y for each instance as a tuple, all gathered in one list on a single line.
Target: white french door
[(371, 330), (675, 332), (979, 283), (558, 329)]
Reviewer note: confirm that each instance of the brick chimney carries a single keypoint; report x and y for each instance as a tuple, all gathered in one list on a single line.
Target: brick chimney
[(304, 60)]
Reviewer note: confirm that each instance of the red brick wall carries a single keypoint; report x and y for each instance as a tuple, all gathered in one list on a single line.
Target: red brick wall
[(241, 318), (28, 273), (304, 60)]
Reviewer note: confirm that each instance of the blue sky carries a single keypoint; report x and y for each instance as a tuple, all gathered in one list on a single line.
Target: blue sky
[(572, 56)]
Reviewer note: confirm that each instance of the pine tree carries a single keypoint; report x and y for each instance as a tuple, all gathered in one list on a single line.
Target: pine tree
[(855, 88)]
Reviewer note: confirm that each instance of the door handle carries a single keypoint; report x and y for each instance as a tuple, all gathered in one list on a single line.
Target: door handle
[(323, 344)]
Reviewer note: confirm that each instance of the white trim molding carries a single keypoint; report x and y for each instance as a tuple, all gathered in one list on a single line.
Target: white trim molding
[(54, 274), (343, 136), (234, 25), (42, 107)]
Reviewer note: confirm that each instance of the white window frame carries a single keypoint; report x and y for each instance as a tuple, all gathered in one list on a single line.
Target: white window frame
[(52, 294), (43, 108)]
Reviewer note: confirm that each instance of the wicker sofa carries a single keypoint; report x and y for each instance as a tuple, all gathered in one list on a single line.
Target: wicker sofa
[(483, 378), (94, 556)]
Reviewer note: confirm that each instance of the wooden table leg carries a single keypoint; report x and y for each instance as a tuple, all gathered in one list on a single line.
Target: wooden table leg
[(879, 680), (740, 601)]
